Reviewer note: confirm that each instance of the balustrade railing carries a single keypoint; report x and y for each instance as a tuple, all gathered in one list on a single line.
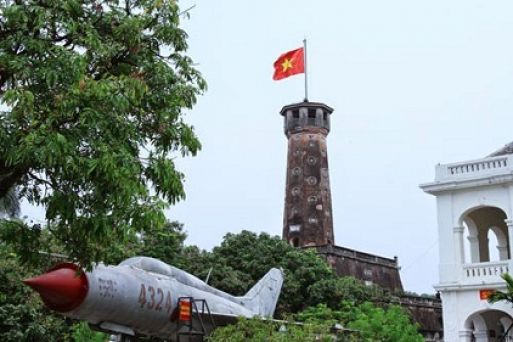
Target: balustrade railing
[(485, 271), (492, 165)]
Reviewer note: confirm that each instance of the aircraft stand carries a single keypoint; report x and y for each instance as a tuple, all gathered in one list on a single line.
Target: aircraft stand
[(189, 309)]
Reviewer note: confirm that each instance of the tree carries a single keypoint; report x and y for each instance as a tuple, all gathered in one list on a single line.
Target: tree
[(333, 292), (242, 259), (95, 92), (83, 333), (165, 244), (507, 295), (256, 330), (363, 323), (22, 315), (10, 204), (390, 324)]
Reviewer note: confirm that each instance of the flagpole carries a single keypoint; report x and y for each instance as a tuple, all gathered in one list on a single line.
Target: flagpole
[(306, 74)]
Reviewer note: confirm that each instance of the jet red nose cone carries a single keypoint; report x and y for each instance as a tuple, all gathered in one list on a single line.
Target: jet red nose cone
[(63, 288)]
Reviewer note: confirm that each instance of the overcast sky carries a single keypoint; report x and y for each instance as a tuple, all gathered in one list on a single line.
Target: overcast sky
[(413, 83)]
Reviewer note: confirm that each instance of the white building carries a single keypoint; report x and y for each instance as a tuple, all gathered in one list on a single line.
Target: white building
[(475, 229)]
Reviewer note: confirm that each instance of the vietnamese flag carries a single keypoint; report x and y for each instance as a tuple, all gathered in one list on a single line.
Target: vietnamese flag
[(288, 64)]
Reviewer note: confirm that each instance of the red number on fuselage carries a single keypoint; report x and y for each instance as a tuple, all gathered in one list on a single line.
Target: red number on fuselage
[(169, 304), (161, 293), (142, 296), (152, 302), (152, 296)]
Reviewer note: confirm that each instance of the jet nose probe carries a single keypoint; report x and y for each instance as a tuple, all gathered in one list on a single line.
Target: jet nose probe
[(62, 289)]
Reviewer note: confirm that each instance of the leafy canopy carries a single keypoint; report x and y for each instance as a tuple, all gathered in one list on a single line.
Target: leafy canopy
[(23, 316), (243, 258), (365, 322), (93, 94)]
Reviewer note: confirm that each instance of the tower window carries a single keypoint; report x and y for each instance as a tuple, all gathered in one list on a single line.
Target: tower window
[(294, 227), (311, 113), (295, 114), (294, 242), (313, 220)]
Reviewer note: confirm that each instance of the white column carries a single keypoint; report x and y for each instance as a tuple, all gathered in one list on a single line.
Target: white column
[(465, 335), (509, 223), (481, 336), (459, 253), (503, 252), (474, 249)]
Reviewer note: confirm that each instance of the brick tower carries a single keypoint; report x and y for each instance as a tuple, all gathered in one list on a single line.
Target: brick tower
[(307, 218)]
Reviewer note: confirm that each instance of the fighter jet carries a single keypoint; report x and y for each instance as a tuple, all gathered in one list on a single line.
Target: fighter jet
[(140, 296)]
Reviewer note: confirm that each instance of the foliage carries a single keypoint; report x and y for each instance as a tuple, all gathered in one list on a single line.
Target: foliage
[(374, 323), (363, 323), (95, 93), (321, 313), (22, 315), (10, 203), (237, 263), (392, 324), (503, 296), (256, 330), (164, 243), (82, 333), (242, 259), (334, 291)]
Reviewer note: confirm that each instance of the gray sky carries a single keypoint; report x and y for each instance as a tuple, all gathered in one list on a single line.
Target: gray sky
[(413, 83)]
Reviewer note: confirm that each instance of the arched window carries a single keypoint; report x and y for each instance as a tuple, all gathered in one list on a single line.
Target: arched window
[(493, 243), (486, 235)]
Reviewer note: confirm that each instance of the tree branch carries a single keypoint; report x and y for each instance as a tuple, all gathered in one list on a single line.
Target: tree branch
[(44, 181)]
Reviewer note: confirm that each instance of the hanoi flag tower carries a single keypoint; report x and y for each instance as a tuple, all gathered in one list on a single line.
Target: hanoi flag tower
[(307, 219)]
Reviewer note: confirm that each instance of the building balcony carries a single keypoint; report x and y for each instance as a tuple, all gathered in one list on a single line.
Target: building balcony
[(484, 272), (478, 172), (477, 168)]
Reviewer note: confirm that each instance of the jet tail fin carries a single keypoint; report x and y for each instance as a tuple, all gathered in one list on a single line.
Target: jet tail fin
[(261, 299)]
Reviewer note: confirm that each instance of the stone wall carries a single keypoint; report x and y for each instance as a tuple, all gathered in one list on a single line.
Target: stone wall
[(369, 268), (384, 272)]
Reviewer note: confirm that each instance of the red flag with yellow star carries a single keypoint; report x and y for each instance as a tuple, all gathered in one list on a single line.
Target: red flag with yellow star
[(290, 63)]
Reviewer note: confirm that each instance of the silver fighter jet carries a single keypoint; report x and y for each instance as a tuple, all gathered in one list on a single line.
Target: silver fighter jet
[(140, 296)]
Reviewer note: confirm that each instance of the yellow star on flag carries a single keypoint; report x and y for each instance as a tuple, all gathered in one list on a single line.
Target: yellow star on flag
[(287, 64)]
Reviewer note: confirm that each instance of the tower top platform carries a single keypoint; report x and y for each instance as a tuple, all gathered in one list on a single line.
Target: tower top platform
[(306, 104), (306, 116)]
